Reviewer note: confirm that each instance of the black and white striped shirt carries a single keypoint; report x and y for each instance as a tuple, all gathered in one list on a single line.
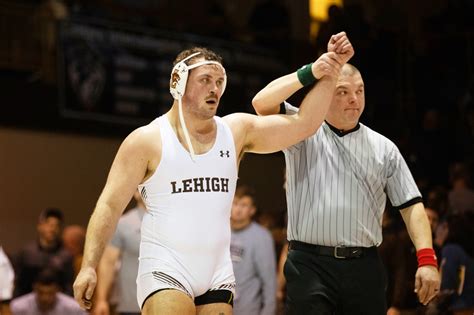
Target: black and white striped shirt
[(338, 183)]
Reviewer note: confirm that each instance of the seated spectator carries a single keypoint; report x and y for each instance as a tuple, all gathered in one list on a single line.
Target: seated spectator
[(46, 298), (46, 251), (253, 258), (457, 267), (6, 283)]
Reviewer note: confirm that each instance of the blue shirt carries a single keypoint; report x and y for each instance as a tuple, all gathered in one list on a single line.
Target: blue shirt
[(457, 274)]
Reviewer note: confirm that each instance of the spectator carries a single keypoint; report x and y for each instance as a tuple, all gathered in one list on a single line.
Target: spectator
[(46, 298), (437, 198), (74, 237), (46, 251), (457, 266), (461, 196), (253, 258)]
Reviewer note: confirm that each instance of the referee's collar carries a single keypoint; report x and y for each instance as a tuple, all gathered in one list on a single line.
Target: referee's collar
[(342, 133)]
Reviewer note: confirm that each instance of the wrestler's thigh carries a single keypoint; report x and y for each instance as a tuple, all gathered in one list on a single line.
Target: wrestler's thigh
[(169, 302), (214, 309)]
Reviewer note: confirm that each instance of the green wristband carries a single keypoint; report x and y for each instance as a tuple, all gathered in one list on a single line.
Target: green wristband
[(305, 75)]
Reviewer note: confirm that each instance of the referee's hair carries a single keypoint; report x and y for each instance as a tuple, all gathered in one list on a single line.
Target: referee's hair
[(349, 70)]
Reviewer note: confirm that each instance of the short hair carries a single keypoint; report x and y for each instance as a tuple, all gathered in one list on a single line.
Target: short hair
[(349, 70), (52, 213), (246, 191), (47, 276), (204, 52)]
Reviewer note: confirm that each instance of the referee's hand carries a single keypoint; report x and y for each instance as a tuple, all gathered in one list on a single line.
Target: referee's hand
[(427, 283)]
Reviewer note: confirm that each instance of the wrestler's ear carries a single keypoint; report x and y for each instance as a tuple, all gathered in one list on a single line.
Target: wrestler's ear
[(178, 80), (179, 77)]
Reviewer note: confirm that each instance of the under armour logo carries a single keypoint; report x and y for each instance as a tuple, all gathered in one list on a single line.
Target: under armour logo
[(225, 153)]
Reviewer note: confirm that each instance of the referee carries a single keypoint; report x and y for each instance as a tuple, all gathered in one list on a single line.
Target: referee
[(338, 181)]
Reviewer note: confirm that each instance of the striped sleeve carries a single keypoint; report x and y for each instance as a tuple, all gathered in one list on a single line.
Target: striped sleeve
[(401, 187)]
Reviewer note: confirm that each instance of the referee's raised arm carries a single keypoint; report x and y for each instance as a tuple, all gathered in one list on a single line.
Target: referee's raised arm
[(268, 100)]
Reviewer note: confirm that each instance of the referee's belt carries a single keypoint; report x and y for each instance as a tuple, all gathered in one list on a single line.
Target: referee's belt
[(340, 251)]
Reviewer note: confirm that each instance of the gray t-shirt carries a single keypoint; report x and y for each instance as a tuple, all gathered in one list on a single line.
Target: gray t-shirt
[(127, 240), (27, 305), (253, 258)]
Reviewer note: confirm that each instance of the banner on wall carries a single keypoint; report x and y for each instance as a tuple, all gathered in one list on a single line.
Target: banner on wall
[(116, 74)]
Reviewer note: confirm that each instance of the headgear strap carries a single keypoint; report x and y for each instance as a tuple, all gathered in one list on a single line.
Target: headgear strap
[(178, 80)]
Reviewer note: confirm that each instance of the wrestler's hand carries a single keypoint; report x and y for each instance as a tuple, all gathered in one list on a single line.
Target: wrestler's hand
[(329, 64), (84, 287), (340, 44), (427, 283)]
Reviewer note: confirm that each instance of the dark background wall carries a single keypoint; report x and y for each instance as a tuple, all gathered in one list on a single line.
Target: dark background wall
[(42, 169)]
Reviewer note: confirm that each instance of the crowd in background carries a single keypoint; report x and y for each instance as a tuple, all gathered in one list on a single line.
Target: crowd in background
[(41, 273)]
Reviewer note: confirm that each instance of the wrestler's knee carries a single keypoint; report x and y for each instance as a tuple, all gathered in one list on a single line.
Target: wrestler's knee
[(168, 302)]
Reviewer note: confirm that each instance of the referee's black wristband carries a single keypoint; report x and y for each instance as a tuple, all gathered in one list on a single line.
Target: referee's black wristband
[(305, 75)]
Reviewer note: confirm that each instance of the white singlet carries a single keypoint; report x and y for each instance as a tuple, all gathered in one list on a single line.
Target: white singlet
[(185, 241)]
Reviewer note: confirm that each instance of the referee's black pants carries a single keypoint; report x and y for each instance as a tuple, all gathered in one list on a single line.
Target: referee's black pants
[(327, 285)]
